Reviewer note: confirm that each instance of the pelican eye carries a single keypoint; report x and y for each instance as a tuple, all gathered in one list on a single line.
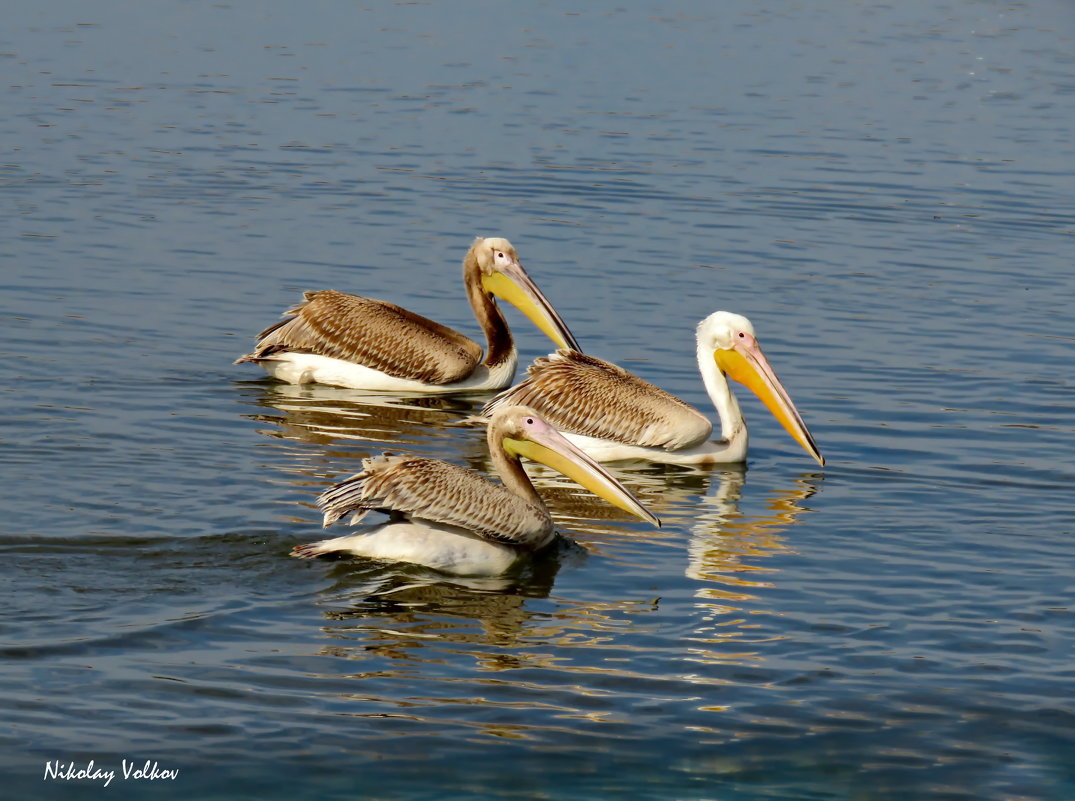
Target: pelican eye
[(500, 255), (742, 335), (529, 421)]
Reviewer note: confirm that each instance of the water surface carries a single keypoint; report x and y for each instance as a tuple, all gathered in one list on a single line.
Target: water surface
[(884, 190)]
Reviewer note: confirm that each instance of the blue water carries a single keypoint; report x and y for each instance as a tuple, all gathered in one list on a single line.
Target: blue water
[(885, 190)]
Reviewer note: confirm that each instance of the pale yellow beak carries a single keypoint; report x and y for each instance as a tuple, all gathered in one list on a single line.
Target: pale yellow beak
[(552, 449), (746, 363), (512, 284)]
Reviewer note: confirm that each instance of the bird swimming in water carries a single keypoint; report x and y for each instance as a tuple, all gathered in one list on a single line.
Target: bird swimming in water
[(350, 341), (612, 414), (451, 518)]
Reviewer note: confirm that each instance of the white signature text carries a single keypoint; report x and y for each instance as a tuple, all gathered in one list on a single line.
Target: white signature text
[(57, 770)]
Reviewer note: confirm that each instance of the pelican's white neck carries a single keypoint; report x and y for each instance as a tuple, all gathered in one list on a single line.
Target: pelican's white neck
[(732, 425)]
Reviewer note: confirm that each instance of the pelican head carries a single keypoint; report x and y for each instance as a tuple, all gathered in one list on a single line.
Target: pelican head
[(502, 274), (519, 431), (739, 356)]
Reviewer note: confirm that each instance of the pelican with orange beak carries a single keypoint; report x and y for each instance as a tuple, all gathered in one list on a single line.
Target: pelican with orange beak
[(454, 520), (611, 414), (359, 343)]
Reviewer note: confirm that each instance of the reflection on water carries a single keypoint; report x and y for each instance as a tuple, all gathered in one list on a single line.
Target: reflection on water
[(722, 536), (879, 184), (359, 580), (411, 613), (725, 556), (320, 435), (322, 415)]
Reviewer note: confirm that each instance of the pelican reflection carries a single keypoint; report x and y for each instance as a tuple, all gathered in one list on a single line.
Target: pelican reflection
[(726, 554), (324, 415), (724, 538)]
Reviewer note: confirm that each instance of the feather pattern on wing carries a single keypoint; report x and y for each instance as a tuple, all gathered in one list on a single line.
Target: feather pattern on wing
[(373, 333), (585, 395), (429, 489)]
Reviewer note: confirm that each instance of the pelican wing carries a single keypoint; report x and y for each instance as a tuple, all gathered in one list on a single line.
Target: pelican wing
[(429, 489), (584, 395), (372, 333)]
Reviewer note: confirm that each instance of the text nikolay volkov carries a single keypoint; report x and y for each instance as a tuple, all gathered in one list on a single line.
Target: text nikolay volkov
[(68, 771)]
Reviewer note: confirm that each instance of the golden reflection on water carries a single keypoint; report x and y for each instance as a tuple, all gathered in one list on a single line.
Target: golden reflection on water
[(725, 556), (722, 536)]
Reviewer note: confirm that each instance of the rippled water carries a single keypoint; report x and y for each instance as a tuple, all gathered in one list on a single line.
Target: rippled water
[(886, 191)]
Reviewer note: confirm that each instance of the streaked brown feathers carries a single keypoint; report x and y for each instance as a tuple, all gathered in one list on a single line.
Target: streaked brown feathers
[(585, 395), (429, 489), (373, 333)]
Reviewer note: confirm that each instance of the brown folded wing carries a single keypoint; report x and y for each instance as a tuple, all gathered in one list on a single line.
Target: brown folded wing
[(440, 492), (585, 395), (372, 333)]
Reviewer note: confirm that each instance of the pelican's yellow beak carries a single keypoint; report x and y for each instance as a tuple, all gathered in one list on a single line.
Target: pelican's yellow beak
[(746, 363), (512, 284), (550, 448)]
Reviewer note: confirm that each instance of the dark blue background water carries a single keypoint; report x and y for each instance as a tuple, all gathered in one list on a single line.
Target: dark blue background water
[(886, 191)]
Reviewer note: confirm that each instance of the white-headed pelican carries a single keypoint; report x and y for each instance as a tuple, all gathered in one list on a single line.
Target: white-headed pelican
[(611, 414), (350, 341), (452, 519)]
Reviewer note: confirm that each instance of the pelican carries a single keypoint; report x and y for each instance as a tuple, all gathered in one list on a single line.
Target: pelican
[(454, 520), (611, 414), (359, 343)]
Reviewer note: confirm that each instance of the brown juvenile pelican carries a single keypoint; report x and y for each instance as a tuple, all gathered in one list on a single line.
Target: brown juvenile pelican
[(611, 414), (350, 341), (454, 520)]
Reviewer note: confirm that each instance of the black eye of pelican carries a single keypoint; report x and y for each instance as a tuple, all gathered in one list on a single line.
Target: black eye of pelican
[(529, 421), (500, 255), (742, 335)]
